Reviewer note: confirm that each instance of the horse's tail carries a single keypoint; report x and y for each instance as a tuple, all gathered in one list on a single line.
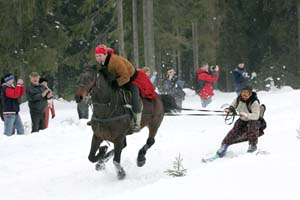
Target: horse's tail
[(169, 103)]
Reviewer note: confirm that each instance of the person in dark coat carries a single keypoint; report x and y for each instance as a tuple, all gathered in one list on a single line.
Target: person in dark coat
[(10, 95), (240, 77), (173, 86), (37, 96)]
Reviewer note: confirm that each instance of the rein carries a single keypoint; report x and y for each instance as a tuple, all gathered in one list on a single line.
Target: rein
[(111, 105), (106, 120)]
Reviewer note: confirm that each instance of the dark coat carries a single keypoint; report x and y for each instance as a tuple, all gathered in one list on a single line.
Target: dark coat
[(36, 102), (240, 80), (174, 87)]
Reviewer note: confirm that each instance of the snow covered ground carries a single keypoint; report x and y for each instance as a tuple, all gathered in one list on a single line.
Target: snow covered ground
[(53, 164)]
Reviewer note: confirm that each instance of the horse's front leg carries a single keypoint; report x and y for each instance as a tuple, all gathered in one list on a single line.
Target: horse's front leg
[(118, 147), (94, 148), (104, 157)]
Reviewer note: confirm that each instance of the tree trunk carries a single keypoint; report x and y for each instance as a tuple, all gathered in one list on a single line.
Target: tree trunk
[(179, 61), (174, 60), (121, 45), (145, 31), (214, 31), (159, 61), (135, 34), (151, 35), (149, 52), (195, 45), (213, 24), (298, 13), (178, 54)]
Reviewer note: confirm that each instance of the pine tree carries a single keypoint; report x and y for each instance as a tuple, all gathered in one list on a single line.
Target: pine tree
[(178, 169)]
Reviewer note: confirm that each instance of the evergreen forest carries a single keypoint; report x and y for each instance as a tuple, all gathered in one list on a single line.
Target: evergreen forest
[(57, 38)]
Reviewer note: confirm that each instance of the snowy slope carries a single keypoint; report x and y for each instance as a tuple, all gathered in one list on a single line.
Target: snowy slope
[(53, 164)]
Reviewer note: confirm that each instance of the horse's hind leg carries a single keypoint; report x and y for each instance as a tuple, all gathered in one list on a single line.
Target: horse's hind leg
[(118, 147), (141, 159)]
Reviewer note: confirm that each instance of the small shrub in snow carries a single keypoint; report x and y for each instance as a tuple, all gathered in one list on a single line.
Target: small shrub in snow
[(178, 169)]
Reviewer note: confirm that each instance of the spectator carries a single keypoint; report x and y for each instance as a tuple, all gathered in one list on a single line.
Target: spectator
[(37, 96), (50, 106), (147, 70), (206, 78), (174, 87), (241, 77), (10, 95)]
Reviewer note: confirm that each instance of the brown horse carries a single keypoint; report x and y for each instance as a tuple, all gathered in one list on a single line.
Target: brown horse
[(112, 118)]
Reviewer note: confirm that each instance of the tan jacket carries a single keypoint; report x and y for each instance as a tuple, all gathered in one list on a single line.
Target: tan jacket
[(242, 107), (121, 68)]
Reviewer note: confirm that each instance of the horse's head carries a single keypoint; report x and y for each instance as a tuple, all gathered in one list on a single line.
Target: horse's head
[(87, 81)]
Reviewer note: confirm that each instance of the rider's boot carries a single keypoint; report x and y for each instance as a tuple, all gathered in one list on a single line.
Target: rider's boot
[(136, 127)]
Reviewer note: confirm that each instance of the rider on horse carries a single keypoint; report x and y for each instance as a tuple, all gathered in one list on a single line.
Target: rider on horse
[(120, 72)]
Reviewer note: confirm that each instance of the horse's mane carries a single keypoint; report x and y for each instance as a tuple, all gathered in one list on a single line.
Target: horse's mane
[(89, 67)]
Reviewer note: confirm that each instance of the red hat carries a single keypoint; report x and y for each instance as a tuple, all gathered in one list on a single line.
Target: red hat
[(110, 50), (101, 48)]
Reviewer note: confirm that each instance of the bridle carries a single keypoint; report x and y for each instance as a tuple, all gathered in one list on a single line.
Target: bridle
[(88, 90), (85, 87), (112, 104)]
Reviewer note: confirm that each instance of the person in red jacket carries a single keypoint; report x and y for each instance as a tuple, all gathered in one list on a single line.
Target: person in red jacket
[(10, 95), (207, 77), (50, 107)]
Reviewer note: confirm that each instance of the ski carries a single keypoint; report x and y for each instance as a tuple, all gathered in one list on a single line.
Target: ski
[(210, 159), (214, 157)]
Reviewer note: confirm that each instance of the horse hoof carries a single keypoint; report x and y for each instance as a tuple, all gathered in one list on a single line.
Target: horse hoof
[(100, 166), (121, 174), (141, 163), (103, 150)]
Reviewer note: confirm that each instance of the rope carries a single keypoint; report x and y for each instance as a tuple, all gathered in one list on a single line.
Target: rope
[(229, 116), (195, 114), (202, 110)]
